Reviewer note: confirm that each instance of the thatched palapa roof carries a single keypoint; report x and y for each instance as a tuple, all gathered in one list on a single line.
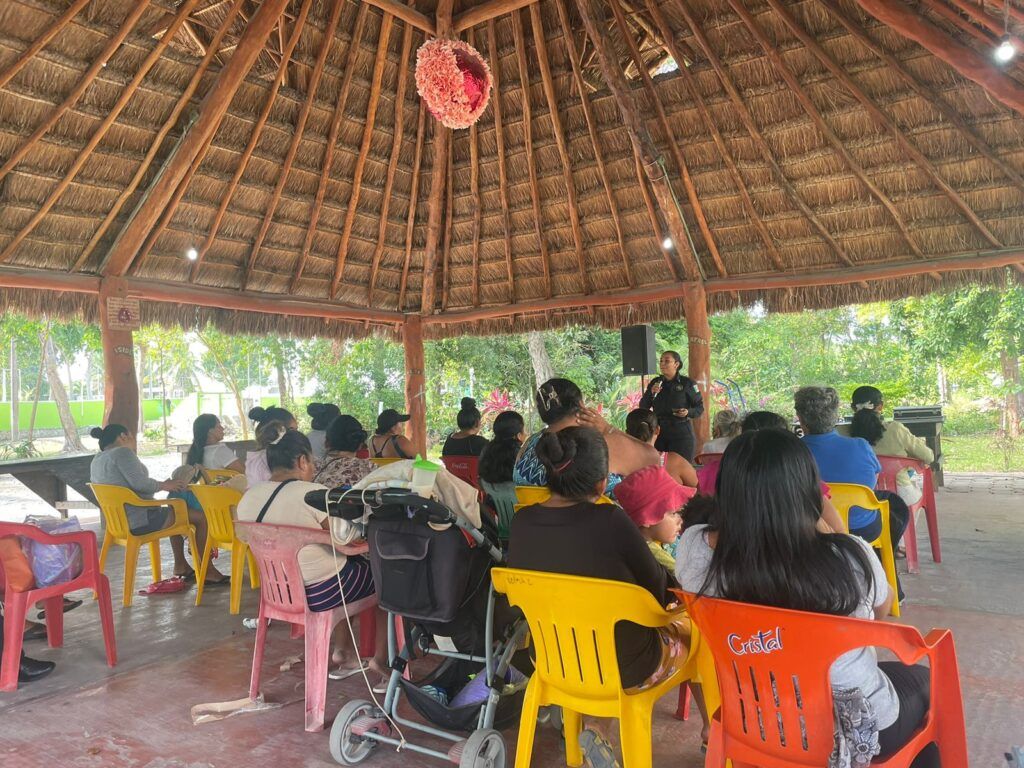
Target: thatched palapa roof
[(818, 155)]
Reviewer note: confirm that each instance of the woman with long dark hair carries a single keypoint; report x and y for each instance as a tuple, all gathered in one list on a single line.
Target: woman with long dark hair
[(676, 400), (499, 456), (208, 449), (763, 547)]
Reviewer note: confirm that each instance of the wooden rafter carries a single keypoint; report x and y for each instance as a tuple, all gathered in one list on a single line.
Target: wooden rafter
[(679, 50), (499, 135), (838, 145), (449, 216), (536, 22), (488, 11), (154, 148), (414, 194), (76, 93), (126, 94), (652, 215), (40, 42), (595, 139), (474, 188), (250, 147), (332, 139), (977, 13), (674, 144), (531, 165), (885, 123), (396, 150), (407, 14), (211, 112), (364, 150), (755, 132), (947, 12), (723, 150), (293, 147)]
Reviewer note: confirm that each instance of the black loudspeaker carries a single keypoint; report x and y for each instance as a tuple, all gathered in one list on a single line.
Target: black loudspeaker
[(639, 355)]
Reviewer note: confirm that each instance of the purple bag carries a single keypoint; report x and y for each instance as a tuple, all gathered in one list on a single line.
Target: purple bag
[(53, 563)]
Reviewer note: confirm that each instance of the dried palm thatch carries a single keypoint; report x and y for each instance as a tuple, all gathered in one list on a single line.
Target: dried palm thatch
[(801, 137)]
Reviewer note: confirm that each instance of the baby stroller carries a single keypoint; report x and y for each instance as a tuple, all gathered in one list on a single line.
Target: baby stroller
[(432, 571)]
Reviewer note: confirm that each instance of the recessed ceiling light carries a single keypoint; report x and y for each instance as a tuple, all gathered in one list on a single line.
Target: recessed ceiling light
[(1005, 51), (666, 243), (191, 254)]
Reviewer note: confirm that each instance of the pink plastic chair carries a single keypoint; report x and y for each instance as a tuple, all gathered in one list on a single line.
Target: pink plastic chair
[(891, 465), (283, 597), (16, 604)]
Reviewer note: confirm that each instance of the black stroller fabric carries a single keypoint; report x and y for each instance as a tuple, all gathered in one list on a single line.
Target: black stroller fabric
[(451, 675)]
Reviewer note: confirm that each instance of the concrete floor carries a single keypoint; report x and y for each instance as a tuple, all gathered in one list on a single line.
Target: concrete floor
[(174, 655)]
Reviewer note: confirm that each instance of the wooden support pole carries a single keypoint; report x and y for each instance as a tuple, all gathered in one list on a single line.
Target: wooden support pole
[(407, 14), (698, 332), (415, 382), (488, 11), (214, 105), (968, 62), (499, 135), (654, 166), (120, 385)]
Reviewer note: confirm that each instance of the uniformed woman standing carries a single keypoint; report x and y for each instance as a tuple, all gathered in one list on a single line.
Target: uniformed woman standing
[(675, 400)]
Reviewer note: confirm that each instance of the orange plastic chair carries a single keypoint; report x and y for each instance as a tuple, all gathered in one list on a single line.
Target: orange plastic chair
[(283, 597), (572, 626), (112, 500), (891, 466), (773, 671), (16, 604), (466, 468), (218, 503), (846, 495)]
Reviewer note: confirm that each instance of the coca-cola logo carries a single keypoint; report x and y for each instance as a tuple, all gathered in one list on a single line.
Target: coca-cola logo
[(763, 642)]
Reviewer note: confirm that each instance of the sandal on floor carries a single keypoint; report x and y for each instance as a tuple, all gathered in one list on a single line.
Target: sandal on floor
[(225, 582), (597, 752), (69, 605), (188, 578), (341, 673), (35, 632)]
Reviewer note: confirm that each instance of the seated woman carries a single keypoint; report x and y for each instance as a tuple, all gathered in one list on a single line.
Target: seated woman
[(322, 414), (888, 438), (762, 547), (340, 466), (118, 464), (560, 404), (725, 427), (331, 578), (467, 441), (256, 468), (643, 425), (499, 455), (208, 449), (571, 533), (389, 442)]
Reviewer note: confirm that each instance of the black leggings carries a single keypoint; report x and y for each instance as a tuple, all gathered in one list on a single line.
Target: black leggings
[(912, 689)]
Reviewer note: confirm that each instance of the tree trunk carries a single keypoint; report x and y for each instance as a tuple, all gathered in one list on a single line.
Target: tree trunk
[(232, 385), (542, 368), (142, 390), (72, 442), (15, 387), (282, 380), (1011, 381), (942, 381), (45, 339)]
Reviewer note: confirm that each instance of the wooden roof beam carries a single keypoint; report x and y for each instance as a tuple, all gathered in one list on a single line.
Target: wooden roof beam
[(250, 147), (332, 139), (40, 42), (886, 123), (214, 105), (474, 186), (595, 140), (536, 23), (499, 135), (364, 150), (652, 213), (487, 11), (449, 205), (407, 14), (964, 60), (755, 132), (293, 147), (414, 194)]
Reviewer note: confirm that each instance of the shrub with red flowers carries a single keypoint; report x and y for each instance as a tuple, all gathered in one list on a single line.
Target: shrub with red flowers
[(454, 81)]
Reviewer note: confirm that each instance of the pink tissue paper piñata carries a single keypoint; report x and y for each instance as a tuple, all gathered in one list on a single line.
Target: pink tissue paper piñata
[(454, 80)]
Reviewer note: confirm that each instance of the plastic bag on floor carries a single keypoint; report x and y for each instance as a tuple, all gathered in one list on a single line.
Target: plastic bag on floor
[(53, 563), (208, 713)]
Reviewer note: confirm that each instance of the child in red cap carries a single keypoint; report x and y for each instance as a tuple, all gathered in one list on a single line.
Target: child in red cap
[(653, 499)]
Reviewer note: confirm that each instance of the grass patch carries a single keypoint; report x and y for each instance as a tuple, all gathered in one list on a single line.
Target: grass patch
[(987, 452)]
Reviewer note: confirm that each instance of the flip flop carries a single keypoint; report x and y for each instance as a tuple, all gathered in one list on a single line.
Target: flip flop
[(342, 673), (188, 578), (36, 632), (69, 605), (225, 582), (597, 752), (166, 586)]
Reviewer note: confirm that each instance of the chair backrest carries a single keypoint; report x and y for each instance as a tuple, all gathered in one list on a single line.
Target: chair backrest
[(538, 494), (380, 461), (213, 476), (892, 465), (703, 459), (217, 502), (773, 674), (503, 496), (846, 495), (466, 468), (572, 622), (112, 500), (276, 550)]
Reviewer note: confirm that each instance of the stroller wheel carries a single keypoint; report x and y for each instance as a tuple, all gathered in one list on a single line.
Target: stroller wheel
[(349, 745), (483, 749)]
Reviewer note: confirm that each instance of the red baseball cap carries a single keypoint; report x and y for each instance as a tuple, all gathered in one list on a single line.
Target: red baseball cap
[(650, 493)]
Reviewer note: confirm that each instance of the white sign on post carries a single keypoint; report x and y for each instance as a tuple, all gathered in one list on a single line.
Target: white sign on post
[(123, 314)]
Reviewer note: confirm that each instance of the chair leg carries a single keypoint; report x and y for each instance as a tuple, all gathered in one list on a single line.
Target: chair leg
[(368, 633), (254, 571), (716, 756), (910, 542), (572, 724), (635, 733), (54, 621), (192, 542), (237, 573), (107, 541), (931, 515), (131, 561), (683, 706), (257, 655), (318, 655), (106, 618), (14, 628), (204, 563), (154, 559), (528, 726), (889, 565)]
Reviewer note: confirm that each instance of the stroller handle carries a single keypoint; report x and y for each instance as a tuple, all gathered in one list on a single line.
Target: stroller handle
[(350, 505)]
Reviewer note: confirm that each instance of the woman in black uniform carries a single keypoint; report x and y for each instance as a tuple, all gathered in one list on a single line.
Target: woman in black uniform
[(675, 400)]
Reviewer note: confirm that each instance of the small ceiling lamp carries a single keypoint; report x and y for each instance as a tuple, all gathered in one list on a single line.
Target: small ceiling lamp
[(1006, 50), (191, 254), (667, 243)]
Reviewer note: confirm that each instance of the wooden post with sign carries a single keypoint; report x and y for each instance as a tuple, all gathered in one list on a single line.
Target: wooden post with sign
[(119, 316), (698, 331), (415, 382)]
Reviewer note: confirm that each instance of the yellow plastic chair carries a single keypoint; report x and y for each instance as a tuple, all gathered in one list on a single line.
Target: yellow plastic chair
[(214, 476), (538, 494), (380, 461), (846, 495), (572, 625), (217, 503), (112, 500)]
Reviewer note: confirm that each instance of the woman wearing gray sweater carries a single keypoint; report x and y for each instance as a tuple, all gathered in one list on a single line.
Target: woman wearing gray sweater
[(118, 464)]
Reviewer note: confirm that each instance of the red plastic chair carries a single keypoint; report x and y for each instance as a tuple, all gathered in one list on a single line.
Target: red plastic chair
[(466, 468), (773, 672), (283, 597), (16, 604), (704, 459), (891, 465)]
